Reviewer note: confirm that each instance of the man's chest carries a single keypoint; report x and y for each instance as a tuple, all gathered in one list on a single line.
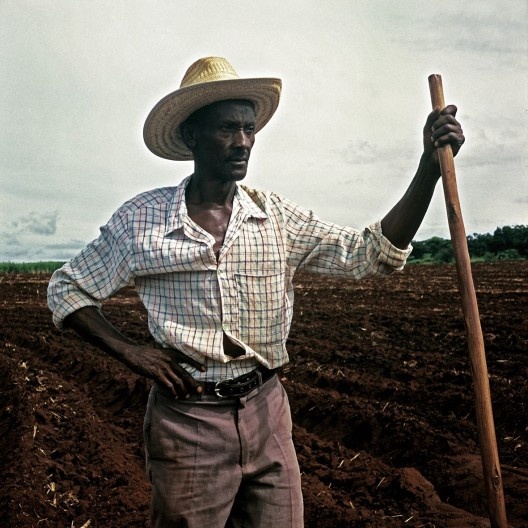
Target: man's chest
[(240, 246), (213, 221)]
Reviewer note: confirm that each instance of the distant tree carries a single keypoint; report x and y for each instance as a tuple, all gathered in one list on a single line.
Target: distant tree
[(506, 243), (509, 237), (508, 254), (418, 252), (479, 245), (445, 255), (435, 245), (513, 237)]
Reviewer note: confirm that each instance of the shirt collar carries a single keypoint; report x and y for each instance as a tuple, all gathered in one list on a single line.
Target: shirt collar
[(178, 209), (248, 205)]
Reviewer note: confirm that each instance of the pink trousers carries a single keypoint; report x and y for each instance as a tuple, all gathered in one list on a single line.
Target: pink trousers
[(223, 463)]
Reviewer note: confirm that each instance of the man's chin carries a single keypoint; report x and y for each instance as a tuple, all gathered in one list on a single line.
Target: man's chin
[(238, 170), (237, 175)]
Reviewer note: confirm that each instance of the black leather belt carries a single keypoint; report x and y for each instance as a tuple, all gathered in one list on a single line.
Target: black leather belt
[(238, 387)]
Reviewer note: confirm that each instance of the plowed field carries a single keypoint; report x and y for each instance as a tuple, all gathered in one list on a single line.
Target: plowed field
[(380, 387)]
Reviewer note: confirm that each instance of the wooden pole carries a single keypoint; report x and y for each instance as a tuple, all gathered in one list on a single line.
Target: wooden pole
[(486, 428)]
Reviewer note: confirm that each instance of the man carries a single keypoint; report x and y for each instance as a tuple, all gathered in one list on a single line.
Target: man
[(213, 262)]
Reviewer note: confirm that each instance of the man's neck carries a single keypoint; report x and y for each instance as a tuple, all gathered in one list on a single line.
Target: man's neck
[(209, 192)]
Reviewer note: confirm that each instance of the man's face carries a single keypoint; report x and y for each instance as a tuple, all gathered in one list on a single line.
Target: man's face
[(224, 134)]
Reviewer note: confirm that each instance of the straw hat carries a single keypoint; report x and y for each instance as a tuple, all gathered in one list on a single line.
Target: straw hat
[(207, 81)]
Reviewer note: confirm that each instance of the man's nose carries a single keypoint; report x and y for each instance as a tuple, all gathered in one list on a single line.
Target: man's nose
[(243, 138)]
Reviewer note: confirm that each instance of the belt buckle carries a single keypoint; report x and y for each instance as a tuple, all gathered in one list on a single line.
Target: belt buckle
[(242, 392), (218, 387)]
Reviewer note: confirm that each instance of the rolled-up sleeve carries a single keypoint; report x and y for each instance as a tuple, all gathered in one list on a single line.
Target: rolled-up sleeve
[(97, 272), (387, 253)]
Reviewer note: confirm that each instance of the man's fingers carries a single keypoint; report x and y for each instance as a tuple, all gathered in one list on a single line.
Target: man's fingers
[(447, 120), (442, 128), (162, 365), (450, 109), (181, 385), (188, 381), (447, 133), (169, 383), (438, 117), (447, 130)]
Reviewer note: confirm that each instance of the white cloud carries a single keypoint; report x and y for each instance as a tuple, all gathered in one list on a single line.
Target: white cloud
[(44, 224), (32, 237)]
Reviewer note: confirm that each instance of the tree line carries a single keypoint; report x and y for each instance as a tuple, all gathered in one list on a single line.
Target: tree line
[(506, 243)]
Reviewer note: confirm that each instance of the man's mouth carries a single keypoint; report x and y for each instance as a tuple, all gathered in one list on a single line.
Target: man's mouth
[(238, 161), (239, 157)]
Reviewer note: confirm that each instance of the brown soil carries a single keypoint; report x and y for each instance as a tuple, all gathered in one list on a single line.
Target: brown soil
[(380, 387)]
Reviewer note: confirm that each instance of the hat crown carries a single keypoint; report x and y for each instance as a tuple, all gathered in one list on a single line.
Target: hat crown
[(208, 69)]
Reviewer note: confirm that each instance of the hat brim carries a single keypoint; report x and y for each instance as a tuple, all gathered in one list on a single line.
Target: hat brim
[(161, 132)]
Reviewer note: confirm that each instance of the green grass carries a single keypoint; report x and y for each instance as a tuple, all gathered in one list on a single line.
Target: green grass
[(29, 267)]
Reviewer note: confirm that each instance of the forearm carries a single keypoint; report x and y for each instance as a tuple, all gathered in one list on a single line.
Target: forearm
[(402, 222), (93, 327), (161, 365)]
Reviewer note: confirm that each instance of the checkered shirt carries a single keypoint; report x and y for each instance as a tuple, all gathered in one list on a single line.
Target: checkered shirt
[(192, 298)]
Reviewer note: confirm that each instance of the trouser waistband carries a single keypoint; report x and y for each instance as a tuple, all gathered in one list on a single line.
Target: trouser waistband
[(229, 389), (240, 386)]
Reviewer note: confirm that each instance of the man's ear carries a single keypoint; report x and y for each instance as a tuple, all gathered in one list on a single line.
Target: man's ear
[(188, 133)]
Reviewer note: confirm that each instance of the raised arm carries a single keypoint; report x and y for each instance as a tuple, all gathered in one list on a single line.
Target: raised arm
[(402, 222)]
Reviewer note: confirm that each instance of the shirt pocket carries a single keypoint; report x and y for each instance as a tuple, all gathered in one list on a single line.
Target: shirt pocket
[(261, 296)]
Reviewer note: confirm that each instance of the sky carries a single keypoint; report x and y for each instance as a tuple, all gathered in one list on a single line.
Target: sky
[(79, 78)]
